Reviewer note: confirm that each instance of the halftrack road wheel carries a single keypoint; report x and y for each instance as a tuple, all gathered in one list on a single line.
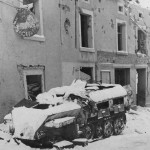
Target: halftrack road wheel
[(88, 131), (108, 128), (99, 130), (119, 125)]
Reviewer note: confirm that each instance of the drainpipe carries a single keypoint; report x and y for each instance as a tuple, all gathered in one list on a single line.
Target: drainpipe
[(61, 39), (96, 70), (60, 4)]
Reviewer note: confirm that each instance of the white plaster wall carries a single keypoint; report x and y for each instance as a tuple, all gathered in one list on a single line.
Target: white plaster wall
[(15, 51)]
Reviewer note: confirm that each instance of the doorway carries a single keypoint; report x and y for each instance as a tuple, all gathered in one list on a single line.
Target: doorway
[(122, 76), (141, 87)]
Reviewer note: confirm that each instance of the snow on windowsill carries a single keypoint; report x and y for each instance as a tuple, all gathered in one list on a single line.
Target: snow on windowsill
[(86, 49), (122, 52)]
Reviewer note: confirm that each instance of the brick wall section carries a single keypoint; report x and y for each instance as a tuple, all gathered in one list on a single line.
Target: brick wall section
[(111, 57)]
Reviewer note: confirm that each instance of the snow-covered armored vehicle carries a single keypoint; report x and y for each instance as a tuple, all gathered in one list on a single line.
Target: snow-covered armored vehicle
[(80, 110)]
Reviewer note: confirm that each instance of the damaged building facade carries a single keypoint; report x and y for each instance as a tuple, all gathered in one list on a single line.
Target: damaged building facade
[(96, 40), (123, 57)]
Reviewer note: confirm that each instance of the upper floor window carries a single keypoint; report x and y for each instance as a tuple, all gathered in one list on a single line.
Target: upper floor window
[(86, 30), (121, 36), (140, 15), (141, 42), (35, 7), (120, 8)]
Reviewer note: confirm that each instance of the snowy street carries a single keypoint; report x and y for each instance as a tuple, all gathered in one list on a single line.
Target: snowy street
[(136, 136), (122, 142)]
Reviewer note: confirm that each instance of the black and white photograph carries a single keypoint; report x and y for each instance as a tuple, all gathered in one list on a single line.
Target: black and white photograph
[(74, 74)]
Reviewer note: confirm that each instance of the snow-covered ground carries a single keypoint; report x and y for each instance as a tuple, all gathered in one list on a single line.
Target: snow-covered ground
[(136, 136)]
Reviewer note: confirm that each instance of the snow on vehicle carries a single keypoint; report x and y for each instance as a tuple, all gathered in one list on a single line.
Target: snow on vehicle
[(80, 110)]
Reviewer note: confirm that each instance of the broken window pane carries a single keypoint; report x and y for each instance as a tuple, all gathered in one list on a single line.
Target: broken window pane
[(86, 73), (34, 85)]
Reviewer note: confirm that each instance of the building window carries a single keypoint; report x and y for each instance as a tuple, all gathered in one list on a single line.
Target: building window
[(121, 36), (120, 8), (140, 15), (86, 30), (33, 83), (141, 42), (35, 7), (105, 76)]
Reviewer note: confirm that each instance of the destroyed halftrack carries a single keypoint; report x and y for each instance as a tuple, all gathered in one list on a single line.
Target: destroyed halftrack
[(82, 110)]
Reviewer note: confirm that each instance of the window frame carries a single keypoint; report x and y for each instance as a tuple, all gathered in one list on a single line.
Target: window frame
[(37, 37), (123, 51), (33, 72), (90, 13)]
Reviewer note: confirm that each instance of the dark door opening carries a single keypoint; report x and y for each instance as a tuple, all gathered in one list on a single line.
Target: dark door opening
[(86, 73), (122, 76), (34, 86), (141, 87)]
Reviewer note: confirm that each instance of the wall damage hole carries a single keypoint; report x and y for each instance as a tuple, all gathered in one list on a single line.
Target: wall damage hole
[(67, 24), (65, 8), (112, 24)]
